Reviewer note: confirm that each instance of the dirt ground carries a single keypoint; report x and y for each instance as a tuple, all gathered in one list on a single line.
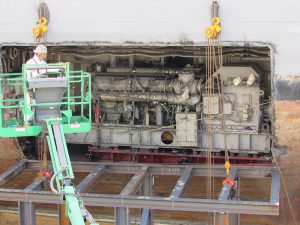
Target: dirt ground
[(8, 150)]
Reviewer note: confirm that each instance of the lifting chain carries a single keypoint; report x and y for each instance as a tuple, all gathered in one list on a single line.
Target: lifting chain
[(214, 62), (43, 154)]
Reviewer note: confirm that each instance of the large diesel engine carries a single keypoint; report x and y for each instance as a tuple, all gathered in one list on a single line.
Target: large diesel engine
[(171, 109)]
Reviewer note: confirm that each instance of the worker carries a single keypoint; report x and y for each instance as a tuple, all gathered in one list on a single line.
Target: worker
[(40, 55)]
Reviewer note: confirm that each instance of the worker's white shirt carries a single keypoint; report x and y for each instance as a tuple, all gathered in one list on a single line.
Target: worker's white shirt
[(35, 73)]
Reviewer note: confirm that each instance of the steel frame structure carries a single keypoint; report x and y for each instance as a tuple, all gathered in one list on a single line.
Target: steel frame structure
[(226, 207)]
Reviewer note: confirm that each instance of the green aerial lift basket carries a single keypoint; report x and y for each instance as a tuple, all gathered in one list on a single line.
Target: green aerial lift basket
[(61, 104), (16, 106)]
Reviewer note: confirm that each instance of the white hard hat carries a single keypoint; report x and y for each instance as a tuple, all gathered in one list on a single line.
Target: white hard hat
[(40, 49)]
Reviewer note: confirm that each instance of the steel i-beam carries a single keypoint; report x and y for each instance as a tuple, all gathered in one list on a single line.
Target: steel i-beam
[(12, 171), (182, 183), (90, 180)]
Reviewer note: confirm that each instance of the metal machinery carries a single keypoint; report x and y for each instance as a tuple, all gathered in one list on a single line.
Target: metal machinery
[(168, 109), (46, 103)]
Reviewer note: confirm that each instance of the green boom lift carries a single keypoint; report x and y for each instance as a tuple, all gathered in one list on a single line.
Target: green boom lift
[(29, 105)]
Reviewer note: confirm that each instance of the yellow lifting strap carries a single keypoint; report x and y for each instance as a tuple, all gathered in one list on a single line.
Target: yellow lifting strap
[(227, 167), (212, 31), (40, 29)]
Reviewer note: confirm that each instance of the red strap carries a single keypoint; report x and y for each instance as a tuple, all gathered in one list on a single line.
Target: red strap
[(36, 64), (228, 180), (48, 174)]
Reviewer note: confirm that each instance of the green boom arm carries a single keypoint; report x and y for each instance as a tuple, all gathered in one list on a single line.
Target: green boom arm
[(63, 174)]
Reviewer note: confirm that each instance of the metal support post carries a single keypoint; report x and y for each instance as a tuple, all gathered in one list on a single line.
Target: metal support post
[(275, 189), (146, 190), (122, 216), (27, 213), (146, 217), (27, 209)]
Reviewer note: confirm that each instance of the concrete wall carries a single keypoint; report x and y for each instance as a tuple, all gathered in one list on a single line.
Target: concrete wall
[(160, 22)]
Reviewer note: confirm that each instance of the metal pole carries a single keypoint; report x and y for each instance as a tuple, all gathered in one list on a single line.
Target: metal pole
[(122, 216), (27, 213), (146, 217), (275, 188), (146, 190)]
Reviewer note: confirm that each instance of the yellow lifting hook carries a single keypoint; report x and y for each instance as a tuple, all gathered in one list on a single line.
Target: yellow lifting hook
[(227, 167), (212, 31), (40, 29)]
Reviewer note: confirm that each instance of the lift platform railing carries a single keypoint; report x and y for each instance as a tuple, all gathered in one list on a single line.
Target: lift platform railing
[(15, 104)]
